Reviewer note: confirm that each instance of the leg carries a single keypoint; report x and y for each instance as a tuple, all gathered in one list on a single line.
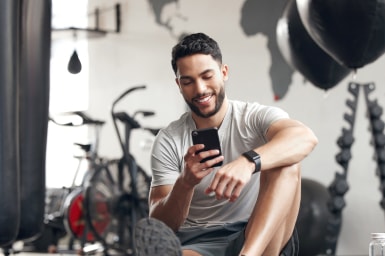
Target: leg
[(275, 213), (190, 253)]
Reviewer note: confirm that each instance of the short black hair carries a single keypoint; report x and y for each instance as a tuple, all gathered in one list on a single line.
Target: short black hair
[(195, 43)]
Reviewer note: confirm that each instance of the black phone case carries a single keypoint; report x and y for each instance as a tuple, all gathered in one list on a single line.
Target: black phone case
[(209, 137)]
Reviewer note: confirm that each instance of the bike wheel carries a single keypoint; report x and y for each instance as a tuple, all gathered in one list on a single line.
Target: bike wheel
[(112, 209), (74, 216)]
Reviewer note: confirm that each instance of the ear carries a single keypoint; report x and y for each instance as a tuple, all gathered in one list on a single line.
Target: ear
[(177, 83), (225, 72)]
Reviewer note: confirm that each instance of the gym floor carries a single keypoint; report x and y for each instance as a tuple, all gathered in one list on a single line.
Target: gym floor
[(21, 249)]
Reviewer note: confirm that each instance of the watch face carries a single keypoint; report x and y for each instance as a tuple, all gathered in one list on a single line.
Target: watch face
[(254, 156)]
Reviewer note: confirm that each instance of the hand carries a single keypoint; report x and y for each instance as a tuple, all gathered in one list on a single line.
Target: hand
[(231, 178), (194, 171)]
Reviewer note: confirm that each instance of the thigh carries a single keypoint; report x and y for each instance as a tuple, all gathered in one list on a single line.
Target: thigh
[(191, 253), (290, 249)]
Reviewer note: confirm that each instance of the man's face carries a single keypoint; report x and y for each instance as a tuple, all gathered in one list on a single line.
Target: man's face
[(201, 81)]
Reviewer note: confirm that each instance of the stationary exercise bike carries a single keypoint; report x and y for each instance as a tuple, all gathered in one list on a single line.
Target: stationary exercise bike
[(117, 193)]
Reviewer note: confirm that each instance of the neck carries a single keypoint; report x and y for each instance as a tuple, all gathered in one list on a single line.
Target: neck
[(213, 121)]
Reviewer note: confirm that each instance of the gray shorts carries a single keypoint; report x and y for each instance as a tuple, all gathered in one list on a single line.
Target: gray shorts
[(226, 240)]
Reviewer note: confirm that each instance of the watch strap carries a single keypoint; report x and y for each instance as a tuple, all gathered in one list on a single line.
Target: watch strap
[(255, 158)]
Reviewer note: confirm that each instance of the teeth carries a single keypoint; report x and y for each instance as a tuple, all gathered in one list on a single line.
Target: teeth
[(204, 99)]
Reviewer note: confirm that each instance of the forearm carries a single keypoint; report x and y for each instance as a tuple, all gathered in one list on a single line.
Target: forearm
[(287, 147), (174, 207)]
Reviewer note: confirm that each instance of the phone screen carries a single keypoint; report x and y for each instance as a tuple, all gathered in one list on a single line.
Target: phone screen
[(209, 137)]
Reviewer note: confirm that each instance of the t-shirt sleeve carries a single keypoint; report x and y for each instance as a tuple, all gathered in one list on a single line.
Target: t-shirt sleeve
[(164, 160), (261, 117)]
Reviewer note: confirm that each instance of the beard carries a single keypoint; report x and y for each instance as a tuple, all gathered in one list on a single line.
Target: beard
[(218, 104)]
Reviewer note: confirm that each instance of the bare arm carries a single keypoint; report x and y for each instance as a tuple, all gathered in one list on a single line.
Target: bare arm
[(171, 203), (276, 209), (289, 143)]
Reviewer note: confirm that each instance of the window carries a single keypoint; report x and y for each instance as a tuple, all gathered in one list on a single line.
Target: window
[(68, 92)]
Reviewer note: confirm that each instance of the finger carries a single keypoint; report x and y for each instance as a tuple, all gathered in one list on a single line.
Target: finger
[(229, 190), (212, 162), (193, 149), (191, 158), (236, 192), (208, 154), (201, 170), (221, 186), (213, 185), (220, 189)]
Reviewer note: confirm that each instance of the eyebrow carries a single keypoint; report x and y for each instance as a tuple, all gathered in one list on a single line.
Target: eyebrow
[(200, 74)]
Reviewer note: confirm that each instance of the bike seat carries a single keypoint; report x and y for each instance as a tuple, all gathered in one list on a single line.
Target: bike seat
[(85, 147)]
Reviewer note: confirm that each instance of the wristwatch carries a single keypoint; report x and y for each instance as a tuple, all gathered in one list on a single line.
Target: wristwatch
[(255, 158)]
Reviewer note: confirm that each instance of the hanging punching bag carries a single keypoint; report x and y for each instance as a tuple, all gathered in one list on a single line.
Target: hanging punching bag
[(351, 31), (33, 112), (9, 151), (303, 54)]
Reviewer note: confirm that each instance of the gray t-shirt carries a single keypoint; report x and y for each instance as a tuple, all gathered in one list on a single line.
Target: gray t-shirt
[(243, 128)]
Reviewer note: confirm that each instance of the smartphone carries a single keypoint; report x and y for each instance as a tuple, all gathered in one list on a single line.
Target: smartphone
[(209, 137)]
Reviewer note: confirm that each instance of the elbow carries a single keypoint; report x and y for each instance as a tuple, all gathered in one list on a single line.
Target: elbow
[(312, 141)]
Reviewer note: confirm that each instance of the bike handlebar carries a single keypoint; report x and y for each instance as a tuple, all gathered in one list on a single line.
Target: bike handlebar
[(129, 121), (86, 120), (124, 94), (125, 118)]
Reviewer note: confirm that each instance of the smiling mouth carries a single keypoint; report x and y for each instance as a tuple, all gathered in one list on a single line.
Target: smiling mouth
[(203, 99)]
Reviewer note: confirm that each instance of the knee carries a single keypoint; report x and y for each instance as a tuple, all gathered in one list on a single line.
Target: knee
[(291, 173)]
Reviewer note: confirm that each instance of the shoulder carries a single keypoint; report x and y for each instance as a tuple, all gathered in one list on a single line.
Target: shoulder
[(178, 125), (176, 130), (255, 108)]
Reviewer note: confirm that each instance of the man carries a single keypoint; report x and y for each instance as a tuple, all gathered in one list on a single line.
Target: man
[(249, 205)]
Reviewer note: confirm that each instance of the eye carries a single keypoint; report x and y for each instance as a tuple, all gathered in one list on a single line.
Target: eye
[(207, 77), (185, 81)]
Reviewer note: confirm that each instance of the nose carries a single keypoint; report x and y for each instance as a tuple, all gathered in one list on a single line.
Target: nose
[(201, 86)]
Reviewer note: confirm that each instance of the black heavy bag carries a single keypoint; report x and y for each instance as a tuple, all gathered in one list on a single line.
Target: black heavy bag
[(9, 151), (313, 218), (303, 54), (351, 31), (33, 112)]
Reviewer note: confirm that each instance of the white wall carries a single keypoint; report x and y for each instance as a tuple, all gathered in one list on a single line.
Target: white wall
[(140, 54)]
